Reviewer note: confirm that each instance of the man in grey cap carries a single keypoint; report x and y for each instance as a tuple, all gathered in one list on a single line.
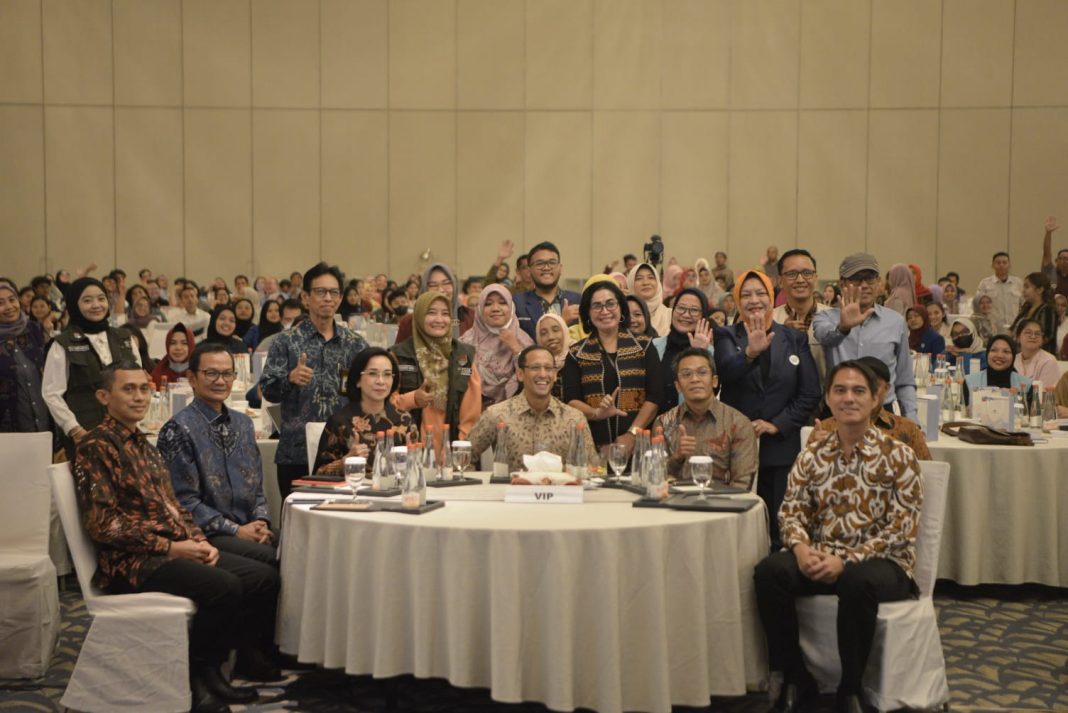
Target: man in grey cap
[(862, 328)]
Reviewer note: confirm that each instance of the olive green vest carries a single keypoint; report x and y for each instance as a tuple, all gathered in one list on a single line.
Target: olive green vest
[(84, 371), (461, 362)]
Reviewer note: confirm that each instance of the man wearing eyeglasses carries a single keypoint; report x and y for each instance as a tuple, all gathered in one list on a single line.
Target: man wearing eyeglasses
[(702, 425), (303, 369), (798, 279), (860, 327), (545, 271)]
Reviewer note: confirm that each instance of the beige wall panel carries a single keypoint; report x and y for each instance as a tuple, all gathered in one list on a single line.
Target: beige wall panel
[(77, 51), (80, 185), (22, 192), (559, 51), (422, 54), (355, 191), (1037, 183), (148, 52), (285, 190), (977, 52), (831, 185), (763, 184), (20, 51), (559, 187), (696, 54), (764, 53), (489, 187), (1041, 61), (626, 191), (354, 53), (216, 48), (626, 62), (148, 189), (285, 53), (905, 52), (422, 188), (902, 185), (693, 184), (834, 53), (218, 192), (973, 192), (490, 54)]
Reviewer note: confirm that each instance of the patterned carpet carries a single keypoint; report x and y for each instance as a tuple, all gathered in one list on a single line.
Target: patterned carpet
[(1006, 649)]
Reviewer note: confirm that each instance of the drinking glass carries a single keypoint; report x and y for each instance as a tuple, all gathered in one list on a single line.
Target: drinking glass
[(461, 457), (617, 459), (355, 467), (701, 472)]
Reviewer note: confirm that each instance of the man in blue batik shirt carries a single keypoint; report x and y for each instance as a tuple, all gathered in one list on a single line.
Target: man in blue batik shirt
[(215, 465), (303, 371)]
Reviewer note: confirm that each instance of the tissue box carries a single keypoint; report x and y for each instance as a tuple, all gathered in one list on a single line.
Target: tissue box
[(927, 411)]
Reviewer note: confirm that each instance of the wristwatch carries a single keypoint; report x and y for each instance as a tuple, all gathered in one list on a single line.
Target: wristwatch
[(634, 431)]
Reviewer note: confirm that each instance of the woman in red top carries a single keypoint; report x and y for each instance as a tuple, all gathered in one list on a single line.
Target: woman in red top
[(180, 345)]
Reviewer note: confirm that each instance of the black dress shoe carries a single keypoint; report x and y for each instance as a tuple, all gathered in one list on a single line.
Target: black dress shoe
[(849, 704), (253, 664), (793, 697), (222, 689), (204, 701)]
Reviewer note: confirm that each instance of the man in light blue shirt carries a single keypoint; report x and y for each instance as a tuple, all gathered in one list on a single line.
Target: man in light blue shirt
[(862, 328)]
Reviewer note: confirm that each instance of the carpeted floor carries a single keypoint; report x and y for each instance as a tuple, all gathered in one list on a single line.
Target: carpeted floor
[(1006, 649)]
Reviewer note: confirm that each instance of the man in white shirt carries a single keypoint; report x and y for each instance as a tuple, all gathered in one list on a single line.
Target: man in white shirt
[(1004, 290), (189, 312)]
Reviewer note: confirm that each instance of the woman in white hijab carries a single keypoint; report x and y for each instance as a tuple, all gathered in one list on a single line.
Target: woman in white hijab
[(964, 341), (645, 284)]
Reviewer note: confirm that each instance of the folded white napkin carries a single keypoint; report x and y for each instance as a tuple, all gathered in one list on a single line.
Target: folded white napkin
[(543, 462)]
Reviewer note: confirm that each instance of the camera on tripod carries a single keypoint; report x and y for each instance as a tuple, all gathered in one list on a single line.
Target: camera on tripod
[(654, 251)]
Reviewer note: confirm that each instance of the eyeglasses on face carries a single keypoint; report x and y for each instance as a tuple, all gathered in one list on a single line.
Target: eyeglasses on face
[(215, 375), (375, 375), (688, 374), (1035, 333), (438, 284), (609, 306), (862, 277), (691, 311), (322, 292), (545, 264), (792, 275)]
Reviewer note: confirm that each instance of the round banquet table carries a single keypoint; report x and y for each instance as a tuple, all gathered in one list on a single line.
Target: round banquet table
[(1006, 512), (599, 605)]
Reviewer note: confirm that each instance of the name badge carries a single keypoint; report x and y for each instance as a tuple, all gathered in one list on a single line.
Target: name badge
[(465, 371), (78, 348), (794, 359), (407, 367), (544, 494)]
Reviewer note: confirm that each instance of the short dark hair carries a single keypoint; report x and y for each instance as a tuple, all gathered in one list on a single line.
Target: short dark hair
[(544, 245), (877, 366), (998, 254), (207, 348), (284, 284), (630, 256), (187, 287), (118, 271), (40, 280), (24, 290), (587, 298), (291, 303), (472, 280), (359, 363), (524, 258), (692, 352), (521, 360), (240, 277), (399, 292), (951, 275), (318, 270), (856, 365), (794, 253), (109, 372), (142, 271), (1023, 323)]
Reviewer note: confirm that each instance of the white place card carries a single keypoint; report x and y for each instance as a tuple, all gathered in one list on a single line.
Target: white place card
[(544, 494), (927, 412)]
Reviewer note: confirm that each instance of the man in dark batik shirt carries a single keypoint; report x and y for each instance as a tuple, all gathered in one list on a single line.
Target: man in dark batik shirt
[(146, 542), (214, 462)]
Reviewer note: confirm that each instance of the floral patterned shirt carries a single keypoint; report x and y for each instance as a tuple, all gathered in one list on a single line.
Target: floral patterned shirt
[(722, 432), (215, 467), (128, 504), (859, 508), (320, 398), (349, 421)]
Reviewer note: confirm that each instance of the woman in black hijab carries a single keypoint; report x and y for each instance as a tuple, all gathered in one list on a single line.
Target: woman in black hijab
[(222, 330), (244, 310)]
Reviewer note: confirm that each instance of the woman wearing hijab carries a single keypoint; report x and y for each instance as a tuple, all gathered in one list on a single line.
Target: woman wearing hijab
[(672, 281), (439, 383), (923, 339), (22, 360), (1000, 368), (899, 282), (965, 342), (439, 278), (222, 330), (497, 340), (553, 334), (689, 328), (621, 280), (270, 324), (72, 372), (644, 283), (767, 372), (612, 376), (175, 364), (353, 303), (140, 315), (245, 312), (923, 292), (638, 317), (706, 282)]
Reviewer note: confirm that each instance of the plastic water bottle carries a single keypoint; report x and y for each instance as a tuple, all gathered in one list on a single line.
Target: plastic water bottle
[(378, 465), (1049, 407), (656, 485), (1034, 407), (576, 454), (413, 486), (500, 452)]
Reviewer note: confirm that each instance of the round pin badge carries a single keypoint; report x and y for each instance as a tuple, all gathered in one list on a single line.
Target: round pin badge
[(794, 359)]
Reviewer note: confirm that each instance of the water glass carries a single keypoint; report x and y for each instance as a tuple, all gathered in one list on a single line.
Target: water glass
[(701, 472), (355, 467), (617, 459), (461, 457)]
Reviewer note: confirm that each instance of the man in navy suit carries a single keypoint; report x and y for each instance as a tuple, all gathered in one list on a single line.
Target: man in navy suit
[(545, 270), (767, 372)]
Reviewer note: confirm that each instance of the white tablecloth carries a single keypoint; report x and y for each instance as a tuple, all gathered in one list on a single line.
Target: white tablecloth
[(598, 605), (1006, 512)]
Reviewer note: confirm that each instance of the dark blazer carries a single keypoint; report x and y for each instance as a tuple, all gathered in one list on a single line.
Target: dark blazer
[(528, 309), (789, 397)]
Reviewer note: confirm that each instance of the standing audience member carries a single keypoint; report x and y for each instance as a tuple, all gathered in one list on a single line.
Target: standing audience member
[(706, 283), (438, 278), (1060, 303), (645, 285), (689, 328), (175, 363), (982, 307), (1038, 306), (1032, 360), (638, 321), (1004, 290), (189, 313), (1056, 272), (832, 295), (952, 301), (722, 271), (547, 295), (303, 369), (553, 334), (902, 289), (22, 361), (497, 341), (770, 263), (797, 280)]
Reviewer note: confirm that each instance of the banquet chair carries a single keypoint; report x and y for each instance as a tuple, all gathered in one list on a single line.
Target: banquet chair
[(313, 431), (156, 334), (906, 668), (135, 656), (29, 600)]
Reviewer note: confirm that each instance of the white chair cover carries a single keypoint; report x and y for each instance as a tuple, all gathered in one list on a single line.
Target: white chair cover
[(906, 668), (313, 431), (136, 654), (156, 335), (29, 599)]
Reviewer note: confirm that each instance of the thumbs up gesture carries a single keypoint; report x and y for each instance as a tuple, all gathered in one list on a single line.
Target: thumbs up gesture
[(687, 443), (301, 375), (569, 312), (424, 395)]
